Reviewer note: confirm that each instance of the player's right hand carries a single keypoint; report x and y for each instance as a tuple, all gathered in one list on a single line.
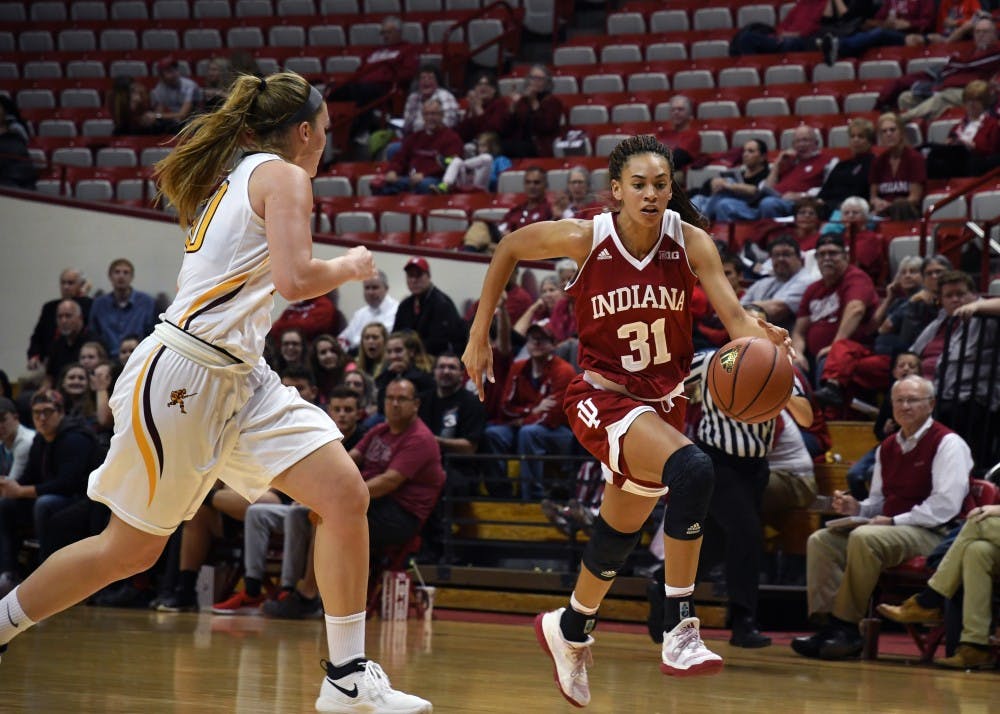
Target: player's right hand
[(478, 361)]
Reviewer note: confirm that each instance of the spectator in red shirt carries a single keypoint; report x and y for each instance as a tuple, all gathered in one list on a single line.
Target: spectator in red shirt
[(682, 138), (532, 421), (487, 109), (312, 317), (898, 174), (535, 117), (839, 305), (483, 237), (889, 27), (972, 142), (795, 173), (419, 165), (395, 63)]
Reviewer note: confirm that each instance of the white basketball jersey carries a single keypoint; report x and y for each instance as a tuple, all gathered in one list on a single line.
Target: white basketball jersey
[(224, 290)]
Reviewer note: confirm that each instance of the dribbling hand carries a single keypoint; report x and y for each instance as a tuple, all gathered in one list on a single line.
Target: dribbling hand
[(478, 361), (779, 336)]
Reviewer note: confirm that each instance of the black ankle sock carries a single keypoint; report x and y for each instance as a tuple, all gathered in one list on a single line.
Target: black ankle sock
[(576, 626), (340, 671), (930, 599), (676, 609), (252, 587), (186, 583)]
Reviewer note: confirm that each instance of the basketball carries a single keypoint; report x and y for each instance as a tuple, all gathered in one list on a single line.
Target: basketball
[(750, 379)]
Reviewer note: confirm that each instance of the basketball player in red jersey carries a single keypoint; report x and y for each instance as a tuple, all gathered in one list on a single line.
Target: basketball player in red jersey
[(632, 295)]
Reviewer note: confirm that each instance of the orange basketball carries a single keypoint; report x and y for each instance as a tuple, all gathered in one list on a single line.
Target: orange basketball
[(750, 379)]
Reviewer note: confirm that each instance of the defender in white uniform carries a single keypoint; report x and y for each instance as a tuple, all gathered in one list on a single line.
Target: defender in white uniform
[(196, 401)]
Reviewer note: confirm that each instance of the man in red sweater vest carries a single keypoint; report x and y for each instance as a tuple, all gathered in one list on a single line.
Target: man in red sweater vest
[(921, 478)]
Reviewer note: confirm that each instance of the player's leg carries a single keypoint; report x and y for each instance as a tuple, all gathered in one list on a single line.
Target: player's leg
[(76, 572), (328, 482)]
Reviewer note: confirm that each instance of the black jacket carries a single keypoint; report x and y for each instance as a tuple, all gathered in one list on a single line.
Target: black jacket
[(435, 318), (63, 465)]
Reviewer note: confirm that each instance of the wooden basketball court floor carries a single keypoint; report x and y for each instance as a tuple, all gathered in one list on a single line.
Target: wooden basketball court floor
[(92, 660)]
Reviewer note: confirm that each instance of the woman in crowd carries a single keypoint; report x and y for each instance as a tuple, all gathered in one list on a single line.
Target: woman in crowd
[(328, 362), (898, 175), (371, 355)]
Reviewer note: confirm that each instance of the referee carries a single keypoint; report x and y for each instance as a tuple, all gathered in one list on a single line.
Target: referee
[(738, 452)]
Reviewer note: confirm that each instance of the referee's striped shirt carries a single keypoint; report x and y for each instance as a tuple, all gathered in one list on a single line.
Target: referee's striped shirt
[(733, 437)]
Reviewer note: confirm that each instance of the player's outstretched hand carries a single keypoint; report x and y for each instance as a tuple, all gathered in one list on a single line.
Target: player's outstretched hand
[(361, 263), (779, 336), (478, 361)]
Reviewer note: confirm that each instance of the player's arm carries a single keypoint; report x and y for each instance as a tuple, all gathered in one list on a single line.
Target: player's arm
[(282, 194), (537, 241), (704, 259)]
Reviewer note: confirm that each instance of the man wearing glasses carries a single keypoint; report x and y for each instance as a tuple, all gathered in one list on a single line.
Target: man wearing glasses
[(401, 464), (59, 463), (840, 305), (920, 479)]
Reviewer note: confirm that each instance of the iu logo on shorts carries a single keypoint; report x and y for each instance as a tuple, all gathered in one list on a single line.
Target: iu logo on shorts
[(587, 411)]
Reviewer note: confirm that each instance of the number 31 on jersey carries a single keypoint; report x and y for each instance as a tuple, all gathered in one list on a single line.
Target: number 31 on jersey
[(637, 333)]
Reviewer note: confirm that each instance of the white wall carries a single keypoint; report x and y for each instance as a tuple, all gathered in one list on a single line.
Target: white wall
[(38, 239)]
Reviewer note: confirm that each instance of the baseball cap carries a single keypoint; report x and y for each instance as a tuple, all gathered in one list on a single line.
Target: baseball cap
[(542, 327), (417, 264)]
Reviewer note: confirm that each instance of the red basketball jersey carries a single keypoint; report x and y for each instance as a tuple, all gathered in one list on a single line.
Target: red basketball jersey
[(634, 324)]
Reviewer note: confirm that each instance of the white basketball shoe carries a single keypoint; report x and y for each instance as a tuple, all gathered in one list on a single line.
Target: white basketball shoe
[(569, 659), (685, 654), (362, 686)]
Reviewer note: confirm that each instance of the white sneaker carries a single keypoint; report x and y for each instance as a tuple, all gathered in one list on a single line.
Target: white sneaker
[(365, 688), (684, 653), (569, 659)]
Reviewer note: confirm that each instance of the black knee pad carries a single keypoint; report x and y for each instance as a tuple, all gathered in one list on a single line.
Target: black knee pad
[(690, 477), (607, 550)]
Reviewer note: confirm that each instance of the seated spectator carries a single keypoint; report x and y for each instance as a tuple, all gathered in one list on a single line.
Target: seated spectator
[(92, 354), (328, 363), (428, 87), (311, 317), (430, 313), (71, 336), (72, 286), (364, 386), (215, 84), (867, 248), (405, 358), (123, 311), (174, 98), (486, 112), (16, 167), (795, 174), (131, 108), (11, 119), (849, 177), (890, 26), (379, 306), (477, 173), (552, 309), (970, 566), (921, 477), (791, 482), (535, 117), (371, 355), (955, 289), (60, 459), (126, 347), (805, 227), (733, 195), (838, 306), (532, 421), (890, 316), (15, 441), (578, 200), (955, 22), (483, 237), (973, 144), (566, 270), (898, 174), (394, 64), (401, 464), (780, 293), (73, 383), (923, 97), (681, 136), (419, 164)]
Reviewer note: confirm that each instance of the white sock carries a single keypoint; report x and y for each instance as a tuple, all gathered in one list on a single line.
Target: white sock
[(678, 592), (582, 609), (345, 637), (13, 621)]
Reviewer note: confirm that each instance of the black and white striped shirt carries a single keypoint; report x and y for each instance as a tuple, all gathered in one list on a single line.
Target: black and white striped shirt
[(733, 437)]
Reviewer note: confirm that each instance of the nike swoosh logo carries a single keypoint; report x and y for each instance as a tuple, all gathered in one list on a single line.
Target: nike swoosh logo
[(352, 693), (14, 624)]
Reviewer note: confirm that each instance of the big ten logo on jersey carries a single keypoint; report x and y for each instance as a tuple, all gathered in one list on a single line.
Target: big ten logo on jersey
[(587, 411), (670, 255)]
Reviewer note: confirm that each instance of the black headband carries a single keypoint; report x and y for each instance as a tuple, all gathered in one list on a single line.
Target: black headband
[(308, 109)]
